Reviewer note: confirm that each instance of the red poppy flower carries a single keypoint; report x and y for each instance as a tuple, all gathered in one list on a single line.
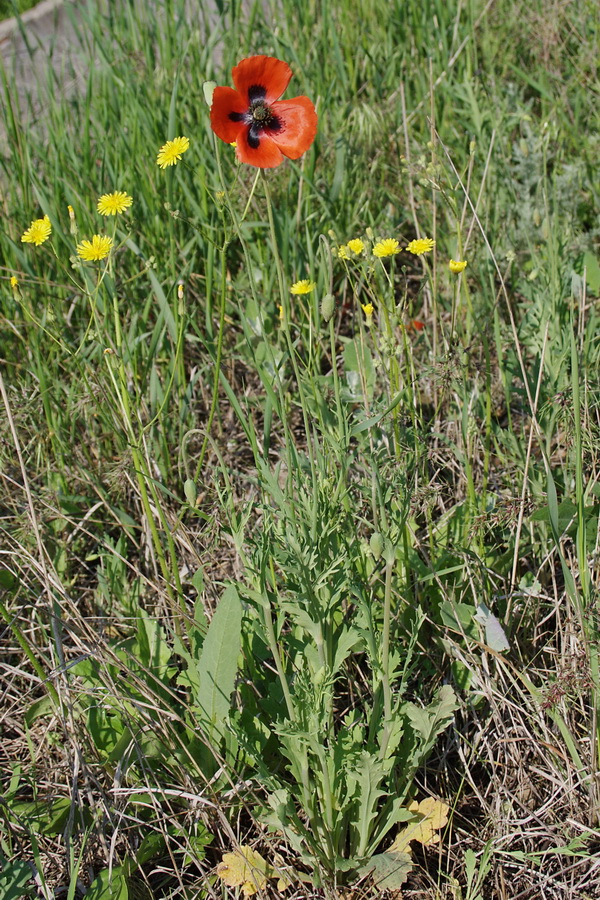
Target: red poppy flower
[(264, 128)]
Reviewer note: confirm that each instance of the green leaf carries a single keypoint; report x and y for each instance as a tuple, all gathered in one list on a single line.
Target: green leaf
[(372, 421), (43, 706), (218, 664), (458, 617), (563, 514), (152, 845), (358, 364), (154, 652), (592, 272), (50, 818), (13, 880), (347, 641), (119, 750), (198, 580), (389, 870), (108, 886), (364, 782), (432, 720), (105, 729), (8, 581)]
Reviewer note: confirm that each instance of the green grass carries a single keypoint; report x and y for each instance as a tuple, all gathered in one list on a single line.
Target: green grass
[(14, 7), (249, 557)]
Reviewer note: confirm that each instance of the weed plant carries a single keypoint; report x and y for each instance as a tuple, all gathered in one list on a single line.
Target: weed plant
[(299, 552)]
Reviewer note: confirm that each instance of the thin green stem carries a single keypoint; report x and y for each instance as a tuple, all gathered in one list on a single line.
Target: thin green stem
[(385, 649), (219, 356), (285, 303), (31, 656)]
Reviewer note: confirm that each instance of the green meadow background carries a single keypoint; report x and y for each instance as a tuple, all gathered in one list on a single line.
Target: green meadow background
[(297, 603), (14, 7)]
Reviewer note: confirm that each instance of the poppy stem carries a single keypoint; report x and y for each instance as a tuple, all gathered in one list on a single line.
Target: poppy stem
[(285, 303)]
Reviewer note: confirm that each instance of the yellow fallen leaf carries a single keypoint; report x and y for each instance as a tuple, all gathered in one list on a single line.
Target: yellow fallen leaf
[(433, 815), (244, 868)]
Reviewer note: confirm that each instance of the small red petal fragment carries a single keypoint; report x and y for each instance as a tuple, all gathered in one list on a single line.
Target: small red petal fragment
[(266, 156), (225, 101), (262, 71), (299, 126), (417, 325)]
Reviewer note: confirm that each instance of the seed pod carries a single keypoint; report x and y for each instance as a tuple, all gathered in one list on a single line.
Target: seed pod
[(190, 490), (327, 307), (376, 544)]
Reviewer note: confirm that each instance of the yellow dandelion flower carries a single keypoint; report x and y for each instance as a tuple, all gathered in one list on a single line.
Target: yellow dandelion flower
[(388, 247), (111, 204), (457, 266), (98, 248), (303, 287), (71, 212), (171, 152), (342, 252), (356, 245), (14, 281), (421, 245), (233, 144), (280, 308), (38, 232)]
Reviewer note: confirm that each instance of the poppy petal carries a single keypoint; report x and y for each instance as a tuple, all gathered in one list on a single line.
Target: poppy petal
[(298, 126), (266, 155), (226, 114), (261, 78)]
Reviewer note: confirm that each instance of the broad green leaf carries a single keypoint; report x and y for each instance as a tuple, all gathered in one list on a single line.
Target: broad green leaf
[(109, 886), (565, 513), (13, 880), (389, 871), (592, 272), (118, 751), (218, 664), (50, 818), (458, 617), (104, 728)]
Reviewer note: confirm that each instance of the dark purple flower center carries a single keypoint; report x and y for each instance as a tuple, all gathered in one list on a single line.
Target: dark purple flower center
[(259, 116)]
